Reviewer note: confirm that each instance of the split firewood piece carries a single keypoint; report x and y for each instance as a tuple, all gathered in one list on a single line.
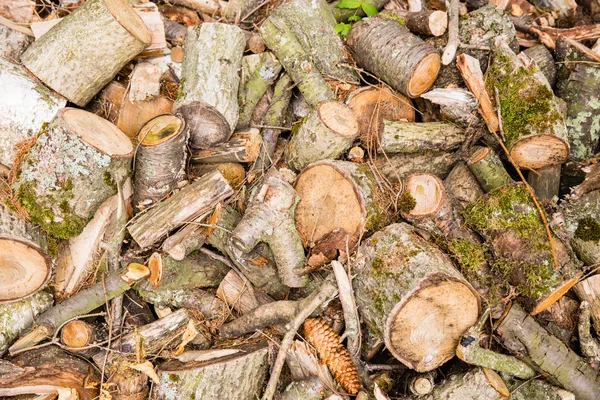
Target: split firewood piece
[(52, 371), (17, 316), (234, 172), (578, 73), (533, 125), (402, 60), (279, 37), (207, 98), (340, 201), (259, 72), (478, 383), (528, 341), (132, 115), (395, 167), (236, 293), (415, 137), (144, 82), (546, 182), (544, 60), (241, 147), (239, 376), (425, 22), (160, 159), (191, 237), (588, 290), (184, 206), (25, 267), (13, 43), (258, 265), (327, 132), (82, 303), (509, 221), (152, 18), (422, 307), (456, 105), (78, 257), (372, 105), (269, 218), (488, 169), (72, 58), (463, 185), (332, 353), (26, 105)]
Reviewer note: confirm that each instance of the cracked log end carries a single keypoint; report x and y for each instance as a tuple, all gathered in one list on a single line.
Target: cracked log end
[(24, 270), (428, 192)]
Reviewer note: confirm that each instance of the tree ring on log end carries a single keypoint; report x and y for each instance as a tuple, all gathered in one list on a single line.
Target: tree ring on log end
[(438, 23), (428, 192), (129, 20), (539, 151), (330, 200), (206, 125), (338, 117), (478, 155), (424, 74), (160, 130), (97, 132), (24, 269), (423, 330), (76, 334)]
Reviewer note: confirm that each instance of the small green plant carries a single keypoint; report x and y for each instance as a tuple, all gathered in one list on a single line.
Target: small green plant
[(367, 7)]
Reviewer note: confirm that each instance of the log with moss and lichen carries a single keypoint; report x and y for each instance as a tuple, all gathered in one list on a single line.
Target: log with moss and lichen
[(462, 184), (396, 167), (488, 169)]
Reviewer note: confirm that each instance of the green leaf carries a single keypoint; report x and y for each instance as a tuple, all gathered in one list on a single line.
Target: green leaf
[(352, 4), (346, 29), (342, 28), (368, 8), (354, 18)]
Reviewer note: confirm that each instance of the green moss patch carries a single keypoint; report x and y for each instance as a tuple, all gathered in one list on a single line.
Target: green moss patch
[(588, 229)]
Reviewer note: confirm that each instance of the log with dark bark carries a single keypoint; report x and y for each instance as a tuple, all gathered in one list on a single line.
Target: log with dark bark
[(386, 48)]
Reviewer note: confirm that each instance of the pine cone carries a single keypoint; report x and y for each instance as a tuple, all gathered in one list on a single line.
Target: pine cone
[(332, 353)]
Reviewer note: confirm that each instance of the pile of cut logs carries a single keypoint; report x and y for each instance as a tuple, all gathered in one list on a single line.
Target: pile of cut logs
[(245, 199)]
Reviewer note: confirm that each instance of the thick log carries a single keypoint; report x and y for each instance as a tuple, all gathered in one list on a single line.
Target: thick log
[(424, 306), (463, 185), (528, 341), (207, 98), (546, 183), (184, 206), (534, 128), (13, 43), (578, 74), (425, 22), (26, 105), (387, 49), (82, 53), (327, 132), (415, 137), (242, 147), (240, 375), (396, 167), (488, 169), (71, 170)]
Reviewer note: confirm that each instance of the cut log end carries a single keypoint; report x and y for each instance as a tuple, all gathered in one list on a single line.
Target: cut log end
[(129, 19), (111, 142), (539, 151), (424, 75), (438, 23), (207, 126), (428, 192), (555, 295), (76, 334), (160, 130), (478, 155), (24, 270), (339, 118), (421, 324)]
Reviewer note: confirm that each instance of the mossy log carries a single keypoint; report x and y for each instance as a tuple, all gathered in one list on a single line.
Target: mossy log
[(13, 43), (184, 206), (463, 185), (241, 147), (509, 221), (409, 295), (84, 51), (425, 22), (239, 376), (415, 137), (326, 133), (521, 335), (588, 290), (259, 71), (269, 218), (25, 105), (544, 60), (207, 98), (72, 169), (387, 49), (546, 182), (372, 105), (488, 169), (17, 316), (340, 201), (160, 159), (397, 167), (534, 128), (578, 74), (234, 291)]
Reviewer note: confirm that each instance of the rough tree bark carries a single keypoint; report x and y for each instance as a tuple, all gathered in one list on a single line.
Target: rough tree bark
[(546, 183), (588, 290), (415, 137), (13, 43)]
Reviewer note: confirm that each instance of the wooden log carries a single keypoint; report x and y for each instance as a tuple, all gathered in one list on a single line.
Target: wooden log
[(242, 147), (544, 60), (240, 375), (184, 206), (580, 177), (488, 169), (233, 172), (509, 221), (326, 133), (96, 41), (235, 292), (269, 218), (152, 18), (76, 334), (536, 389), (372, 105), (207, 98), (546, 183), (415, 137), (109, 102), (396, 167), (578, 73), (588, 290), (457, 105), (133, 115), (424, 22), (13, 43), (528, 341), (534, 128), (340, 201), (387, 49), (235, 10), (421, 384), (71, 170), (463, 185), (423, 306), (308, 389), (26, 105), (160, 159)]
